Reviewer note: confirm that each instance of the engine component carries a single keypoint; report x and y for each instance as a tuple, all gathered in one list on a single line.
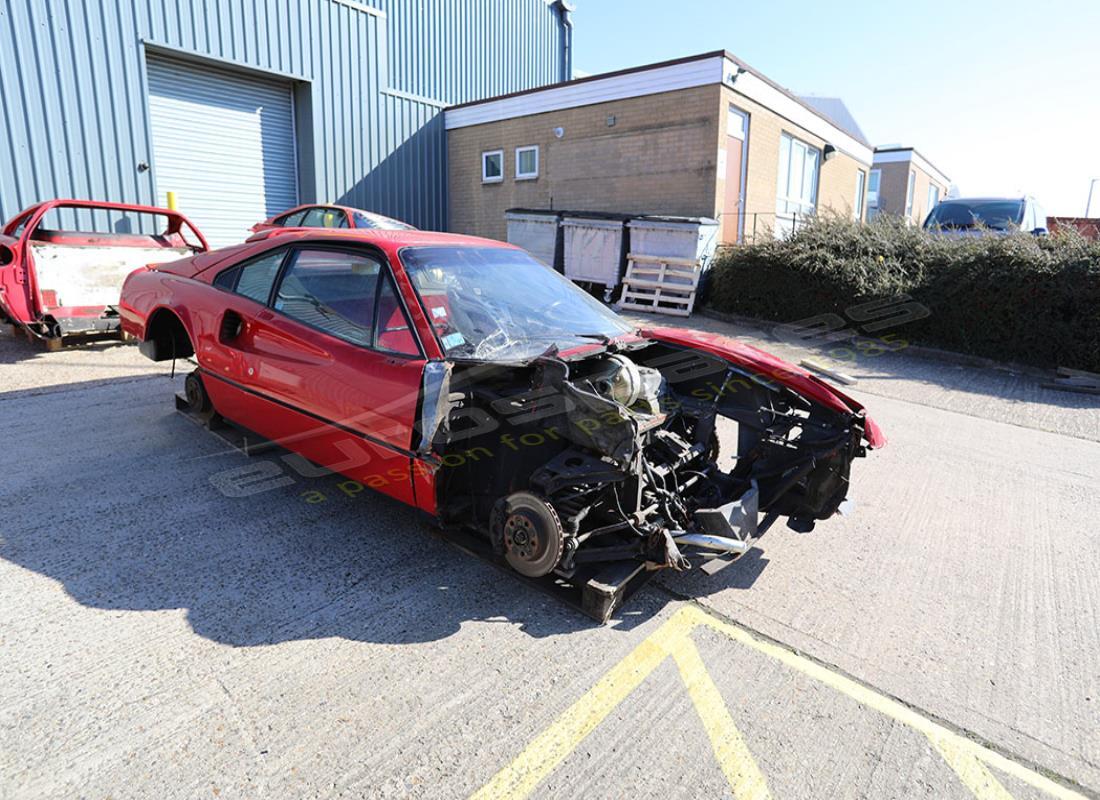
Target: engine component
[(531, 533), (737, 519), (619, 379), (720, 544)]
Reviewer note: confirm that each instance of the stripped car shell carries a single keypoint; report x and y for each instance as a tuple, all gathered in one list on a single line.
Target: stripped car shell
[(499, 398), (62, 262)]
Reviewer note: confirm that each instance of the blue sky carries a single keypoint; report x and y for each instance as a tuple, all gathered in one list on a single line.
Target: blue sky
[(1004, 96)]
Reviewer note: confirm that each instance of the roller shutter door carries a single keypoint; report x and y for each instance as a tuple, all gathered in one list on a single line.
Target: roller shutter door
[(223, 141)]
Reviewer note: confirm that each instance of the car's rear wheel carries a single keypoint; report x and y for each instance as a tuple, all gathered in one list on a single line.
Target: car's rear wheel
[(195, 392)]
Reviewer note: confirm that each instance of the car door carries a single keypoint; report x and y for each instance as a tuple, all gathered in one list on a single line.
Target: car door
[(327, 379), (243, 293)]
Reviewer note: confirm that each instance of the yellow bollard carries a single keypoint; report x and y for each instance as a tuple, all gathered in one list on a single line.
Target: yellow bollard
[(171, 201)]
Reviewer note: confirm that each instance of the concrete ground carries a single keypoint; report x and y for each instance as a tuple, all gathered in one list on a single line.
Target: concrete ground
[(161, 639)]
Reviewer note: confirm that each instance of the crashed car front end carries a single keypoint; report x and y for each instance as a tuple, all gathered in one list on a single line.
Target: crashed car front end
[(608, 449), (616, 455)]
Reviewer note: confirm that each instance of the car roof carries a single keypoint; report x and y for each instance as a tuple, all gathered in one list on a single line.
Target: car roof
[(982, 200), (333, 206), (390, 239), (389, 242)]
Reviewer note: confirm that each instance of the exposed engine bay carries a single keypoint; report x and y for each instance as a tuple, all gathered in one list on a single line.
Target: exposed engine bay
[(614, 455)]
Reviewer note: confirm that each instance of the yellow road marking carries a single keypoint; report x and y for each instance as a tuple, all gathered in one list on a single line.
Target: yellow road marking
[(745, 778), (551, 747), (971, 771), (883, 704), (968, 759)]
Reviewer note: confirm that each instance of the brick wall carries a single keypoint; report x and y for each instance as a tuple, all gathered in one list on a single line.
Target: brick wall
[(836, 181), (893, 188), (658, 158)]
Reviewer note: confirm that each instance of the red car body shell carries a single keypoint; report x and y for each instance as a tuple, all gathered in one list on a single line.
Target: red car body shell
[(20, 295), (349, 408)]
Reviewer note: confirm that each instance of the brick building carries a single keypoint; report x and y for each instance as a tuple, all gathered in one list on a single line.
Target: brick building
[(905, 183), (700, 136)]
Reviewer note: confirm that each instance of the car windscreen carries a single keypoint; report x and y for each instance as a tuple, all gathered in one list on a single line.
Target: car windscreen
[(996, 214), (500, 304), (367, 219)]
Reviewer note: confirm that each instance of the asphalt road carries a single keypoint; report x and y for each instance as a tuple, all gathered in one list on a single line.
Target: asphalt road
[(161, 639)]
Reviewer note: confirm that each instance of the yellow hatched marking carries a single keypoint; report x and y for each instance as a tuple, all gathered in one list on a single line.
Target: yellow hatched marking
[(935, 732), (968, 759), (551, 747), (745, 778), (971, 771)]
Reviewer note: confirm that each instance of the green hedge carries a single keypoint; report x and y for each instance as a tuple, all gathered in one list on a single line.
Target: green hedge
[(1018, 298)]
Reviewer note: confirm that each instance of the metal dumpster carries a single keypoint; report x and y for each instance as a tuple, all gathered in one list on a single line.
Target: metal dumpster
[(595, 247), (537, 231)]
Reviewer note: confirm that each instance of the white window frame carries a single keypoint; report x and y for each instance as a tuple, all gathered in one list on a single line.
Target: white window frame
[(527, 176), (861, 189), (485, 155), (932, 188), (910, 193), (786, 218), (874, 178)]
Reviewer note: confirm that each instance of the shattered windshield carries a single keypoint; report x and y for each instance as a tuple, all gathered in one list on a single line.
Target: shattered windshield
[(499, 304)]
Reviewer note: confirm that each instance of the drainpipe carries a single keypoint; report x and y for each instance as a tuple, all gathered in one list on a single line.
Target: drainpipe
[(565, 9)]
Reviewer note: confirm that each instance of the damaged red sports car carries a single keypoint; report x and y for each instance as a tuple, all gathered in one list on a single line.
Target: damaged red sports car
[(467, 379)]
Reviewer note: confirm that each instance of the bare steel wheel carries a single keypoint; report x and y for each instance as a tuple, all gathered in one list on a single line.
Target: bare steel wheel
[(532, 534), (195, 392)]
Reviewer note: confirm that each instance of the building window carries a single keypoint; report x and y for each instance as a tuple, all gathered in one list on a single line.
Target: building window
[(796, 195), (527, 163), (872, 188), (861, 182), (492, 166), (933, 198), (737, 123), (910, 190)]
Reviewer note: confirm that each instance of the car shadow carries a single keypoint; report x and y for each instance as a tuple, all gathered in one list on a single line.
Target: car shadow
[(132, 507)]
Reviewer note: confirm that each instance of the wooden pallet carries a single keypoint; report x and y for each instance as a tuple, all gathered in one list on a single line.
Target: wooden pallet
[(660, 285)]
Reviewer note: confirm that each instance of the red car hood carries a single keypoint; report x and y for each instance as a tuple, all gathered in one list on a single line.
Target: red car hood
[(763, 363)]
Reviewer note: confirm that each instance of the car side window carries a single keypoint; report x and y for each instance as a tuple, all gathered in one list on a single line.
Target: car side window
[(394, 332), (325, 218), (252, 279), (332, 290)]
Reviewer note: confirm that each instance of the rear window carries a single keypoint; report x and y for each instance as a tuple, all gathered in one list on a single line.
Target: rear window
[(996, 214), (291, 220), (253, 279)]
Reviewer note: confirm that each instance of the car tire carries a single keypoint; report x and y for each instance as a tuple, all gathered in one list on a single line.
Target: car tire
[(198, 401)]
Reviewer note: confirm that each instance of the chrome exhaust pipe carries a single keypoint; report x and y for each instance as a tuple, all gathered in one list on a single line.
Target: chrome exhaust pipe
[(706, 541)]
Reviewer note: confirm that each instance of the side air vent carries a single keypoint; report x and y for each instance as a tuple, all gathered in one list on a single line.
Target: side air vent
[(231, 327)]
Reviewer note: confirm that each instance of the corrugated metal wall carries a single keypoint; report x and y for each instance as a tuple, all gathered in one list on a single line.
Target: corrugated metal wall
[(74, 119)]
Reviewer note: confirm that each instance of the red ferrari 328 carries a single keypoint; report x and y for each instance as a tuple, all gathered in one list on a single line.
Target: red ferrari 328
[(467, 379)]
